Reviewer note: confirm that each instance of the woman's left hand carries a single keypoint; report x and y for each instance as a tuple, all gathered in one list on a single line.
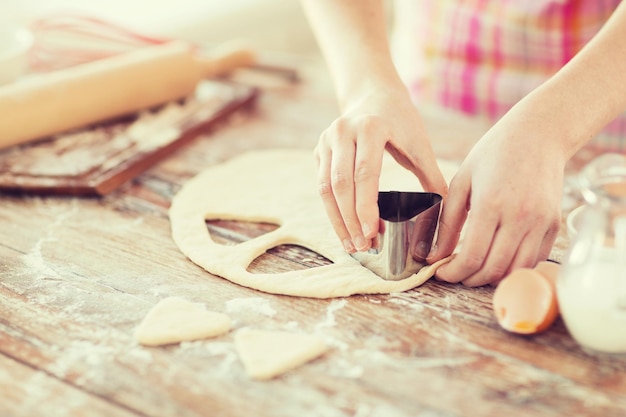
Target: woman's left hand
[(509, 190)]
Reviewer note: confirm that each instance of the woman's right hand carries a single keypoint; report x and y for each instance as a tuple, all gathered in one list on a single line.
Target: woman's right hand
[(350, 153)]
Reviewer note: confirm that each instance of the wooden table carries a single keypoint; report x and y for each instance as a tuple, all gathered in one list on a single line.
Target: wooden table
[(77, 275)]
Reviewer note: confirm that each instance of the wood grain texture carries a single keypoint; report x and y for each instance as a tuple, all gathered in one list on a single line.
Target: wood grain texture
[(77, 275)]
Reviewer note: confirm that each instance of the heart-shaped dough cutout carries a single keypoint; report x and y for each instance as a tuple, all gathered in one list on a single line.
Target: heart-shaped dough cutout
[(175, 320), (266, 354)]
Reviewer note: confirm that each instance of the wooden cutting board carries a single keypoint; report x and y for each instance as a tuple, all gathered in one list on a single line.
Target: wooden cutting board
[(96, 160)]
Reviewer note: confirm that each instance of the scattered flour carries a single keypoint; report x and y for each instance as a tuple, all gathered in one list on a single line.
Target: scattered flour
[(291, 325), (334, 306), (250, 305), (405, 303), (330, 322), (34, 259), (226, 350), (344, 368)]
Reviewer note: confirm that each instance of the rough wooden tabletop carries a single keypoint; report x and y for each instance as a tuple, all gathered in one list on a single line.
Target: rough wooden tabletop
[(77, 275)]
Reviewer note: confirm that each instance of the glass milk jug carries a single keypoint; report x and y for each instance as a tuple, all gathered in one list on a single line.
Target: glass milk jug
[(591, 287)]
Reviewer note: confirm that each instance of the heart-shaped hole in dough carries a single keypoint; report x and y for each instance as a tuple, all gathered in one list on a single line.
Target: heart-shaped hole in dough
[(281, 258), (285, 258), (232, 232)]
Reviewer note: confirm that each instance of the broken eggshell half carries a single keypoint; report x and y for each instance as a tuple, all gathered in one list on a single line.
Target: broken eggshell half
[(525, 302)]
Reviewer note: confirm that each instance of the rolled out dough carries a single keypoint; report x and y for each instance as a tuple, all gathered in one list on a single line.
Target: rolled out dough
[(279, 186), (266, 354), (175, 319)]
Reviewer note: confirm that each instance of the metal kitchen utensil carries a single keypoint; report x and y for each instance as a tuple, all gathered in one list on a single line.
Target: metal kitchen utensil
[(408, 221)]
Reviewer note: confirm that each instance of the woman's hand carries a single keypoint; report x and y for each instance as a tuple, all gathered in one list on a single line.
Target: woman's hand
[(350, 153), (510, 184), (509, 189)]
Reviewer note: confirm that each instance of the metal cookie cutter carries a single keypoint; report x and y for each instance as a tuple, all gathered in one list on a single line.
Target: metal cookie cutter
[(408, 221)]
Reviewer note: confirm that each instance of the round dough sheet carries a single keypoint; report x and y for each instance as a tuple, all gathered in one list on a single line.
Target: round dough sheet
[(279, 186)]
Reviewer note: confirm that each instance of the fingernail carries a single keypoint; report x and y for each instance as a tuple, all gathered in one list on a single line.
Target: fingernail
[(421, 249), (366, 229), (361, 243), (433, 251), (438, 273), (348, 246)]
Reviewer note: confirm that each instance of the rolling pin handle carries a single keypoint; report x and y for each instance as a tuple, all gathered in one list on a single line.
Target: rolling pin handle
[(223, 61)]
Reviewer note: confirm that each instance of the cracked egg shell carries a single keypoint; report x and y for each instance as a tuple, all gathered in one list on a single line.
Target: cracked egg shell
[(525, 302)]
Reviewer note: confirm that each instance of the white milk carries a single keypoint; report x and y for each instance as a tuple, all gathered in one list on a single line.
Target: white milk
[(592, 300)]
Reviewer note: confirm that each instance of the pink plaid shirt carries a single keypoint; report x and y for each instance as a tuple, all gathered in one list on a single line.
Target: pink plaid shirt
[(482, 56)]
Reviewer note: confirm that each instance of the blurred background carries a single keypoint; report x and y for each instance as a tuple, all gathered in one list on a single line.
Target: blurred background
[(270, 25)]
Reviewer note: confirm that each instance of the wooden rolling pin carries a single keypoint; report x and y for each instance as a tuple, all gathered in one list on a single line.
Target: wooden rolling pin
[(47, 104)]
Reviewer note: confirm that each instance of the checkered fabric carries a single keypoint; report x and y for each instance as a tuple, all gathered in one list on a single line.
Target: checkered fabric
[(482, 56)]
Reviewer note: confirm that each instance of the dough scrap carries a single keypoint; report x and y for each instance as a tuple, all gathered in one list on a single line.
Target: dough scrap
[(175, 319), (279, 186), (266, 354)]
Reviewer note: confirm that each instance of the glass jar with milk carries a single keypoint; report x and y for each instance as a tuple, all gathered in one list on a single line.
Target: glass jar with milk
[(591, 287)]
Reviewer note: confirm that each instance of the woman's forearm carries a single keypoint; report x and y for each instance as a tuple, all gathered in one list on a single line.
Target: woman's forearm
[(352, 35), (589, 91)]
